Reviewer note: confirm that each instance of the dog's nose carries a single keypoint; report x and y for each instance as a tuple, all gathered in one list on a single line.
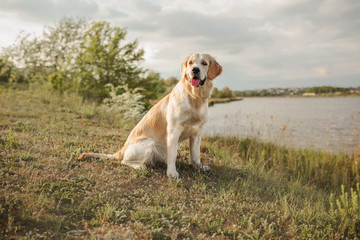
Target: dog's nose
[(196, 70)]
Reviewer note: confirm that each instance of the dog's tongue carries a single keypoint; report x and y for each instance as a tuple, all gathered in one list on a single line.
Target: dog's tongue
[(195, 82)]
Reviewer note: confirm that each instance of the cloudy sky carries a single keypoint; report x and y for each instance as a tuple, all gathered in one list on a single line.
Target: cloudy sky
[(259, 43)]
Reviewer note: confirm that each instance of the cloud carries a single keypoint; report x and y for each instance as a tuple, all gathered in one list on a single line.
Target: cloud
[(260, 43), (287, 43), (49, 11)]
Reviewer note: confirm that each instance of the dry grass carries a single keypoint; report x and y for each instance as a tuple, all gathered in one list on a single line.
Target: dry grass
[(253, 191)]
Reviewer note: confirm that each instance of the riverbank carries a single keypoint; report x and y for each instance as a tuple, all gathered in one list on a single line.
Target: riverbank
[(213, 101), (306, 95), (254, 189)]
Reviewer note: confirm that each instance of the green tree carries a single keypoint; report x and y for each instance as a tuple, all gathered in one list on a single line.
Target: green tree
[(105, 59), (215, 92), (5, 70), (325, 89), (171, 81), (9, 73), (61, 46), (51, 56), (227, 93), (84, 57), (152, 87)]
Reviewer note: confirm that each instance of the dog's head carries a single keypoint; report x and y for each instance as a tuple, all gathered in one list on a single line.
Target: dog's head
[(199, 68)]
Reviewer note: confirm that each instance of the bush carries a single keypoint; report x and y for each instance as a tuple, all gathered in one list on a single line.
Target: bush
[(9, 73), (125, 102)]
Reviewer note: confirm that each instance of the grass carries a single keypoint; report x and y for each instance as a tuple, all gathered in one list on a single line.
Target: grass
[(254, 190)]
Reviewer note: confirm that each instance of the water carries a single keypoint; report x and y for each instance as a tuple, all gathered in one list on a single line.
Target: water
[(331, 124)]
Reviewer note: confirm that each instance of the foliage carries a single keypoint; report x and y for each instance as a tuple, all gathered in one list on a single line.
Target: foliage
[(346, 213), (224, 93), (322, 90), (9, 73), (125, 102), (253, 93), (170, 83), (46, 57), (326, 89), (152, 87), (105, 60), (80, 56)]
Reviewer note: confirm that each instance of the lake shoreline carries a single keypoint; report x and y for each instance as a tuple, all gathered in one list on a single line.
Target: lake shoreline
[(213, 101), (301, 96)]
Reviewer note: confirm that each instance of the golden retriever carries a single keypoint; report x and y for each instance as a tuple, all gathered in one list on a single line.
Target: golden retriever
[(178, 116)]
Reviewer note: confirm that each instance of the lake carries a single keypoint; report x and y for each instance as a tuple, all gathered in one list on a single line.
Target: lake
[(324, 123)]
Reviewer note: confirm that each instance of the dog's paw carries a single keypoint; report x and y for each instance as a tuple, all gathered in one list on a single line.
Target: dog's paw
[(140, 167), (173, 174), (204, 168)]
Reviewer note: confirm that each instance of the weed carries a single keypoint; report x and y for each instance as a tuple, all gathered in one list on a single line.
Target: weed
[(347, 212), (110, 214), (9, 142)]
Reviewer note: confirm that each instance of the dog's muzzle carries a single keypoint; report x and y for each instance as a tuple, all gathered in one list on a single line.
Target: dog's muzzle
[(195, 80)]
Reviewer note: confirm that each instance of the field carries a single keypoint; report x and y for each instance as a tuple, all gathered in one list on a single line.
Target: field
[(254, 190)]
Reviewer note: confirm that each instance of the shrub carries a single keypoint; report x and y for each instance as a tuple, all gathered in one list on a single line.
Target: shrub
[(346, 213), (124, 101)]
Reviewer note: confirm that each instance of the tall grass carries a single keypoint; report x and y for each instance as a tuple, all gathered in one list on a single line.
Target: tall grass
[(324, 169), (73, 103)]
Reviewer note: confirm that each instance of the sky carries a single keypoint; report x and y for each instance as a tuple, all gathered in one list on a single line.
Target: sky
[(260, 43)]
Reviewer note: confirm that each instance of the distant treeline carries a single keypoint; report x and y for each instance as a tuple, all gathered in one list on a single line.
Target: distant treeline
[(226, 92), (326, 89), (320, 90)]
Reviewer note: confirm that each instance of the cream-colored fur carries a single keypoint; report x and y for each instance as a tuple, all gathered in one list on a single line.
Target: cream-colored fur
[(178, 116)]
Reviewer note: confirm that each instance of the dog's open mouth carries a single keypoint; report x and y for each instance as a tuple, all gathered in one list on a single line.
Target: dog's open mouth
[(195, 82)]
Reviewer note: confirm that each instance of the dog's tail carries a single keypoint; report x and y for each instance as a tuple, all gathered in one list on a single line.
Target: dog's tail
[(87, 156)]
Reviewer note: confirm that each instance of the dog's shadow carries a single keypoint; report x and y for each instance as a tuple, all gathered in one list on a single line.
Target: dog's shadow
[(218, 177)]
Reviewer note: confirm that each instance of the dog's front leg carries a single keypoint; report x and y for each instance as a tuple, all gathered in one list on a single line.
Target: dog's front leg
[(195, 152), (172, 147)]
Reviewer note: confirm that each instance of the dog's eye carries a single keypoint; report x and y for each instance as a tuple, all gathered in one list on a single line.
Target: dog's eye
[(190, 62), (204, 63)]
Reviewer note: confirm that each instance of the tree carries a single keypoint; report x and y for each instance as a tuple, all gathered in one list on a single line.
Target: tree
[(171, 81), (215, 92), (226, 92), (84, 57), (50, 57), (151, 87), (103, 60), (9, 73), (61, 46)]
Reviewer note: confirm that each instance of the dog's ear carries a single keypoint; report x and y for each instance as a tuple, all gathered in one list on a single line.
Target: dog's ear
[(214, 69), (184, 66)]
